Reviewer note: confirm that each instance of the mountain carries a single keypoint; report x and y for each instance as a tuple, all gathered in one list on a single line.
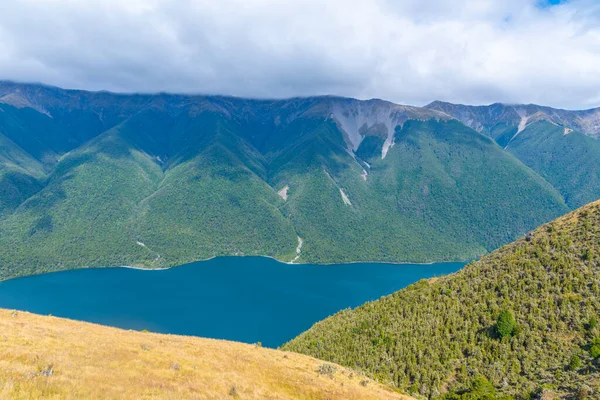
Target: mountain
[(521, 321), (498, 119), (47, 357), (20, 175), (161, 180), (559, 145)]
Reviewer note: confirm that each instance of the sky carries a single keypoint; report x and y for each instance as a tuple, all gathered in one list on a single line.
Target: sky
[(406, 51)]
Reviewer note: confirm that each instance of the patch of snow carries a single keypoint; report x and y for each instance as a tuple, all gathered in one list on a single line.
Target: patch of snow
[(283, 193), (345, 198), (140, 244), (567, 131), (364, 175)]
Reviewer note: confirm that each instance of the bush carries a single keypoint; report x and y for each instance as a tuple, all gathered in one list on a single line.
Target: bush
[(482, 386), (327, 370), (574, 363), (506, 324), (595, 351), (481, 389)]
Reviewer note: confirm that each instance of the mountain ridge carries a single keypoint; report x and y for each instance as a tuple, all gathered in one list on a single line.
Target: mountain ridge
[(587, 121)]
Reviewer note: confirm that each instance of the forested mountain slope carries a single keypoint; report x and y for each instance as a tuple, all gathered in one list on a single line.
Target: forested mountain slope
[(521, 320), (160, 180), (560, 145)]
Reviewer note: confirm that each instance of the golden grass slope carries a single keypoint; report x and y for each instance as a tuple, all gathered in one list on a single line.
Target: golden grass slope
[(52, 358)]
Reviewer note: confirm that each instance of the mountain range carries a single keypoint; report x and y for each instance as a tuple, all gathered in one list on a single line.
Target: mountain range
[(156, 180)]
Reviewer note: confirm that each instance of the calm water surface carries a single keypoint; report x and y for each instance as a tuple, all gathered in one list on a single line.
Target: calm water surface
[(247, 299)]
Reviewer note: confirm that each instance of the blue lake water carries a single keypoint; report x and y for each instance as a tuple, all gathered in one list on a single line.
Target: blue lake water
[(247, 299)]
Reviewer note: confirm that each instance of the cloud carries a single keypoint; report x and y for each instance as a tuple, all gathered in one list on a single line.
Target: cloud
[(407, 51)]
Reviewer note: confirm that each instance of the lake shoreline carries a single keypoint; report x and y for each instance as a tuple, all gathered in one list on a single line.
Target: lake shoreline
[(466, 262)]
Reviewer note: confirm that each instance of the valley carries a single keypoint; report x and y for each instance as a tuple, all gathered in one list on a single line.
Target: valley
[(300, 200), (91, 180)]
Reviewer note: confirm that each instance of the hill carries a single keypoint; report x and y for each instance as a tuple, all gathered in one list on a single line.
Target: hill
[(47, 357), (524, 317), (560, 145), (161, 180)]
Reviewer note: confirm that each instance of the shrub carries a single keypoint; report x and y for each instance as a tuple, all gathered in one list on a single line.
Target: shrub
[(583, 392), (506, 324), (574, 363), (327, 370), (482, 386), (595, 351)]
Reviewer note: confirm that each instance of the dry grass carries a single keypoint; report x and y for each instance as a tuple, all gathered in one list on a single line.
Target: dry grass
[(95, 362)]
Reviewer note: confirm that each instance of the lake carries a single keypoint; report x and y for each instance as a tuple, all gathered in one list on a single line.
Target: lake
[(246, 299)]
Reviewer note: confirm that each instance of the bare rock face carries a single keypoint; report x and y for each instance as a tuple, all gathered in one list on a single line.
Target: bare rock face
[(359, 119)]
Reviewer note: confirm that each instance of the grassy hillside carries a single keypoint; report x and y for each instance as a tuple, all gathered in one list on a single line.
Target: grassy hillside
[(522, 320), (47, 357)]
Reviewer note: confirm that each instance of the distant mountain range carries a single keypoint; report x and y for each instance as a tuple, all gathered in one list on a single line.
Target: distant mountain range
[(100, 179)]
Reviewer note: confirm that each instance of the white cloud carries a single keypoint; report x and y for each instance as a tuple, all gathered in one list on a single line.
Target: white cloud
[(408, 51)]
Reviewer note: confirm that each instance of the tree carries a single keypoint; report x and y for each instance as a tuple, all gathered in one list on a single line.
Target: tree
[(506, 324), (483, 387), (574, 363), (595, 351)]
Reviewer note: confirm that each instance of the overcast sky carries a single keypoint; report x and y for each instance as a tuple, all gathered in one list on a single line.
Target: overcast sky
[(406, 51)]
